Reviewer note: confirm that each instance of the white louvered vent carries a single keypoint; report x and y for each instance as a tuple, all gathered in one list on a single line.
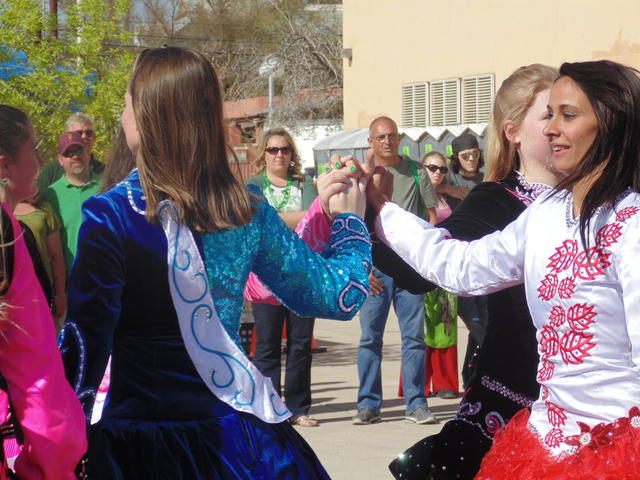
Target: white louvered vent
[(414, 104), (478, 92), (444, 104)]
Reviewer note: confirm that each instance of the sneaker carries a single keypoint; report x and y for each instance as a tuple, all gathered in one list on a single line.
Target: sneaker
[(421, 416), (446, 394), (366, 416)]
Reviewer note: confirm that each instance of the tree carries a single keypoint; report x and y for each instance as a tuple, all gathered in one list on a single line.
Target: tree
[(81, 68), (238, 35)]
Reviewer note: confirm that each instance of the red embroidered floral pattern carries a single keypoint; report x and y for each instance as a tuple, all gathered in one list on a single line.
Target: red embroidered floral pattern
[(562, 259), (566, 265), (580, 316), (575, 346), (549, 341), (548, 287), (554, 437), (608, 235), (546, 370), (626, 213), (567, 287), (591, 264), (555, 414)]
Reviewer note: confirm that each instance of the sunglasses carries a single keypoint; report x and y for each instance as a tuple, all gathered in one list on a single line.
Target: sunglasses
[(88, 132), (435, 168), (475, 155), (275, 150), (72, 152)]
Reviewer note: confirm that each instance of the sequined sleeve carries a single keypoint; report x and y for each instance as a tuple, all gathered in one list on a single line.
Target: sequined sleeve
[(333, 284), (94, 290)]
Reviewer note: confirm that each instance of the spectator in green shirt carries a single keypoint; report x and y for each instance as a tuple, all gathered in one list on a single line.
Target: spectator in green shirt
[(67, 194), (78, 122)]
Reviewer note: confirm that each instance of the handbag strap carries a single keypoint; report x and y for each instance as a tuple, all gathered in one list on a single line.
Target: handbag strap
[(422, 211)]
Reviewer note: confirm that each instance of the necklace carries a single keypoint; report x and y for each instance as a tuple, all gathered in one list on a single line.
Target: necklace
[(267, 186)]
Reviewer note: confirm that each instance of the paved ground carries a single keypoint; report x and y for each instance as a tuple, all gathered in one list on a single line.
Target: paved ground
[(351, 452)]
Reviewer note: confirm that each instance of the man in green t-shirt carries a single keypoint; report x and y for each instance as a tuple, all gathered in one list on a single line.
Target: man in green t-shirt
[(77, 122), (413, 191), (68, 193)]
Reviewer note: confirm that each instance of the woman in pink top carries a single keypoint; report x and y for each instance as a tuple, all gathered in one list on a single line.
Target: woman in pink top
[(43, 405)]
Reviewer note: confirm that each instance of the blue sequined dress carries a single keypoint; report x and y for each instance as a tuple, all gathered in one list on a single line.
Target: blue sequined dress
[(160, 420)]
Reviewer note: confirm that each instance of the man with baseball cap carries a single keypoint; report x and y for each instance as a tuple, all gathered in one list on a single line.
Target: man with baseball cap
[(68, 193), (83, 124)]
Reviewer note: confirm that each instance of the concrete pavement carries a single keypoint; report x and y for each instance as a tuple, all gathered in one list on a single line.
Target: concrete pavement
[(350, 452)]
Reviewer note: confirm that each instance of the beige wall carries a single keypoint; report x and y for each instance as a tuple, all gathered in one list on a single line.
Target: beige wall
[(404, 41)]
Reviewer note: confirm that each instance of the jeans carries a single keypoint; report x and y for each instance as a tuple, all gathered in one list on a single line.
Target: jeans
[(409, 309), (297, 380)]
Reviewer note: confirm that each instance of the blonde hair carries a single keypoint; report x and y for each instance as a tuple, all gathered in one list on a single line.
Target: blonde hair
[(259, 164), (183, 154), (514, 98)]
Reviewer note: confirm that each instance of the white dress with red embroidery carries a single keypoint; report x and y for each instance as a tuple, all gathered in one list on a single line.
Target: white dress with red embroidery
[(585, 305)]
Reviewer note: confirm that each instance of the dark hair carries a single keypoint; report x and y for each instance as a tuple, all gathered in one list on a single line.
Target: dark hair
[(613, 91), (15, 129), (120, 162), (260, 165), (183, 151)]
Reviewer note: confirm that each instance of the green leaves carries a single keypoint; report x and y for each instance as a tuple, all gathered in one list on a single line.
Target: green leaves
[(81, 69)]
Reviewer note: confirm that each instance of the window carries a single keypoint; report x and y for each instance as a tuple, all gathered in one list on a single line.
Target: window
[(448, 102), (414, 104), (444, 104), (478, 92)]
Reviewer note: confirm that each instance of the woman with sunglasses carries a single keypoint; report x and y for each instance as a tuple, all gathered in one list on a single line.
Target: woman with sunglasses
[(576, 251), (466, 161), (291, 193), (441, 306)]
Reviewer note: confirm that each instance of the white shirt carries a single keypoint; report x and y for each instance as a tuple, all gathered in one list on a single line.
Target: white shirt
[(585, 305)]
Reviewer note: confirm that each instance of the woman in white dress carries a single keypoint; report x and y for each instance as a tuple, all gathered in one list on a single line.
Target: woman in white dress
[(576, 250)]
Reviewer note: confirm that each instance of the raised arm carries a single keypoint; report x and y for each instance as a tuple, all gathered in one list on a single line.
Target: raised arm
[(464, 268), (329, 285)]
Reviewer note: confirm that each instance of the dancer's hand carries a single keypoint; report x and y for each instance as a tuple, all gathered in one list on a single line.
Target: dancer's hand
[(345, 186)]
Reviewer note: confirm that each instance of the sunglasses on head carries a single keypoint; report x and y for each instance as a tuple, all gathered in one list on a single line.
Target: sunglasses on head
[(88, 132), (434, 168), (475, 155), (73, 152), (275, 150)]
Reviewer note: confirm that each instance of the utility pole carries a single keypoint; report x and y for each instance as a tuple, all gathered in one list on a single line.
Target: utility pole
[(53, 12)]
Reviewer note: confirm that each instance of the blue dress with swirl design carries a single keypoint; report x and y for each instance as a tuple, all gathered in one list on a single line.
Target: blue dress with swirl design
[(160, 420)]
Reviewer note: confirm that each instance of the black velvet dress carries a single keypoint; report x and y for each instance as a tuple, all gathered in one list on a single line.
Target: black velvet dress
[(504, 381)]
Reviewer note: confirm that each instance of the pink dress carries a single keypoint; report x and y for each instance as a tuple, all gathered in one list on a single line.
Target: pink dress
[(44, 405)]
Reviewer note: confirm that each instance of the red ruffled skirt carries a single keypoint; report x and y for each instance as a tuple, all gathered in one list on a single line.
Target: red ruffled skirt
[(611, 453)]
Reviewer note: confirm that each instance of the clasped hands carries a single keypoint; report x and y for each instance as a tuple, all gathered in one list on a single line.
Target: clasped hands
[(346, 185)]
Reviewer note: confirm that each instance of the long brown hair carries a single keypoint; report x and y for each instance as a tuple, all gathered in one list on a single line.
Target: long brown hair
[(183, 153), (120, 162), (259, 164), (15, 129), (514, 98)]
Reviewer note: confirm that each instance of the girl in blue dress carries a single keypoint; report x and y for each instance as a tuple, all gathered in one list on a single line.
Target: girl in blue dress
[(162, 261)]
